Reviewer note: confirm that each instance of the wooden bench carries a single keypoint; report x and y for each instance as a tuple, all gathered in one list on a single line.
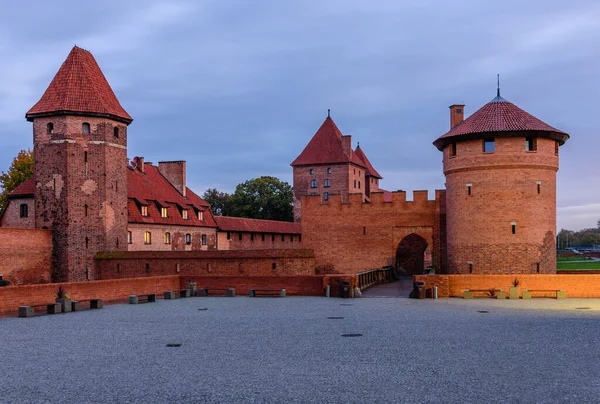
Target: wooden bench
[(171, 294), (267, 292), (94, 304), (149, 298), (558, 293), (229, 292), (468, 294), (29, 311)]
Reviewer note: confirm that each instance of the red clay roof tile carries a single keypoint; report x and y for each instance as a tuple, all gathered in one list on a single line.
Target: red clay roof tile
[(79, 87), (26, 188), (241, 224)]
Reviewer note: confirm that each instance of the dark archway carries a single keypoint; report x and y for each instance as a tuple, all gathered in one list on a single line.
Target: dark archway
[(410, 255)]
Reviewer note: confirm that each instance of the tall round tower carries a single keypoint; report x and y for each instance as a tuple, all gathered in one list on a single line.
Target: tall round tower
[(500, 166)]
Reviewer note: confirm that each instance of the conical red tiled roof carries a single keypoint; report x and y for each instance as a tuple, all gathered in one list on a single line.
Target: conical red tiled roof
[(499, 116), (325, 147), (79, 87), (370, 169)]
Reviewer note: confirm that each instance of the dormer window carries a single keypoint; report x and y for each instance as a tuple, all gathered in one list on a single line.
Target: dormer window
[(184, 214), (163, 212), (201, 215), (144, 210), (85, 128), (50, 127), (116, 132)]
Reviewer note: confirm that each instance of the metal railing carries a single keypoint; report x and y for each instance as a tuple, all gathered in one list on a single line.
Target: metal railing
[(375, 276)]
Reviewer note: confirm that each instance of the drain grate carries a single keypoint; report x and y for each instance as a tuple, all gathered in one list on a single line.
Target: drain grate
[(583, 308), (482, 311), (351, 335), (346, 304), (173, 345), (335, 318)]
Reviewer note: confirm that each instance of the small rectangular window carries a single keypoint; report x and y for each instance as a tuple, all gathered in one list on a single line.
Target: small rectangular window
[(282, 237), (513, 228), (313, 183), (329, 171), (539, 187), (24, 210), (167, 238), (263, 237), (203, 239), (144, 211), (453, 149), (163, 212), (228, 235), (327, 183), (184, 214), (489, 146), (354, 183), (272, 237), (470, 267), (251, 236), (530, 144), (458, 110), (469, 189), (537, 264), (274, 266), (147, 268), (311, 171), (147, 238), (240, 236), (129, 238), (201, 215)]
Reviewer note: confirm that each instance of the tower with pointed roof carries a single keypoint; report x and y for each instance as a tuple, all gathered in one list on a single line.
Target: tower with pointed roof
[(80, 150), (329, 166), (500, 166)]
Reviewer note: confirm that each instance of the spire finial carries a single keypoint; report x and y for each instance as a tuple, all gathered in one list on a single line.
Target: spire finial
[(328, 113), (498, 91), (357, 144)]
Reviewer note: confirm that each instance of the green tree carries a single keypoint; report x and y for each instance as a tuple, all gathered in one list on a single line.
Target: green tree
[(263, 198), (20, 170), (219, 201)]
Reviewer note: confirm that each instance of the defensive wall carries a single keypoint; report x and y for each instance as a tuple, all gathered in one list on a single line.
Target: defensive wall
[(576, 285), (272, 263), (357, 235), (25, 255)]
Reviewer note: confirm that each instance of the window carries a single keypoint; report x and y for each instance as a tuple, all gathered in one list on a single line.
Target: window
[(118, 268), (274, 266), (87, 242), (251, 236), (167, 238), (311, 171), (326, 196), (272, 237), (184, 214), (204, 239), (147, 268), (282, 237), (147, 238), (263, 237), (201, 215), (240, 236), (129, 238), (313, 183), (188, 239), (556, 148), (329, 170), (469, 189), (470, 267), (354, 183), (117, 242), (85, 210), (537, 264), (85, 128), (458, 110), (24, 210), (50, 127), (144, 210), (116, 132), (530, 144), (228, 235), (85, 157), (489, 146), (358, 184), (163, 212), (513, 226), (453, 149), (539, 187), (327, 183), (299, 238)]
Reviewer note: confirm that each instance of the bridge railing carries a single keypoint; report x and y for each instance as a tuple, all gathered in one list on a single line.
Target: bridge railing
[(375, 276)]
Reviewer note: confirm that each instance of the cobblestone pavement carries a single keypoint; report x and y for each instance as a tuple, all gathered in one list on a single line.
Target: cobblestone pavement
[(293, 350)]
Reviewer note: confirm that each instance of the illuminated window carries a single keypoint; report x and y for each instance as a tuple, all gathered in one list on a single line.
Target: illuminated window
[(201, 215), (184, 214), (163, 212), (167, 238), (85, 128), (144, 211), (147, 238)]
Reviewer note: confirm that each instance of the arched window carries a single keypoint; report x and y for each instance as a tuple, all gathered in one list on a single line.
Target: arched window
[(116, 131), (85, 128), (167, 238), (147, 238), (50, 127), (204, 239), (188, 239), (24, 210)]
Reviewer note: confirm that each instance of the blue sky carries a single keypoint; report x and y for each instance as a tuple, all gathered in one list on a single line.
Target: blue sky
[(238, 88)]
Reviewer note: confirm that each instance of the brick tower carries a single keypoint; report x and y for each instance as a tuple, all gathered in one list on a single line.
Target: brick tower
[(80, 151), (500, 166), (328, 166)]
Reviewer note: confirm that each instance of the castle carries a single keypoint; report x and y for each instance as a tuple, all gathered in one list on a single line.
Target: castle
[(497, 214)]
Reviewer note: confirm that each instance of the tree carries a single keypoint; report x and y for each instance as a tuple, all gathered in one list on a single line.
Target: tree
[(219, 201), (20, 170), (263, 198)]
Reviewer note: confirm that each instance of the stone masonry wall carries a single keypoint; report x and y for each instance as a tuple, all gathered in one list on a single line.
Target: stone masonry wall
[(25, 255), (258, 241)]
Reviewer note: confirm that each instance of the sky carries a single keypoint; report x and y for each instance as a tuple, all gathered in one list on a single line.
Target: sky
[(238, 88)]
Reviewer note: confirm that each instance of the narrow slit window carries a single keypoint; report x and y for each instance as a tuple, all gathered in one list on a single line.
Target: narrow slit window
[(251, 236), (147, 268), (87, 242), (539, 187), (556, 148), (282, 237), (240, 236), (537, 264), (272, 237), (469, 189), (188, 239), (85, 210), (129, 238), (85, 160), (513, 227), (470, 267), (118, 268), (116, 132), (453, 149), (228, 235), (204, 239), (263, 237)]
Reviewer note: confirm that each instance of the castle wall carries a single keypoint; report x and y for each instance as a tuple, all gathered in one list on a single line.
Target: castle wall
[(504, 191), (25, 255), (178, 234), (257, 241), (356, 236), (12, 214)]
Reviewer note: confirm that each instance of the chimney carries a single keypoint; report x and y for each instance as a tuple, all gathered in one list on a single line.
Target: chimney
[(347, 144), (457, 114), (174, 172), (140, 164)]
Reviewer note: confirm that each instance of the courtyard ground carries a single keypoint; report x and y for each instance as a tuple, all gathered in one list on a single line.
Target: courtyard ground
[(293, 350)]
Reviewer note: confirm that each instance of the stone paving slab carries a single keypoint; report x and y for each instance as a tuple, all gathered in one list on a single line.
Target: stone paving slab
[(288, 351)]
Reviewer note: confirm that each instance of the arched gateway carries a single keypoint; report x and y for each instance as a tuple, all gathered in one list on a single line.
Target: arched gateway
[(410, 255)]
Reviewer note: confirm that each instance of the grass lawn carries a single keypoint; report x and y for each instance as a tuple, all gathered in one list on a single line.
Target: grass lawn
[(578, 265), (578, 258)]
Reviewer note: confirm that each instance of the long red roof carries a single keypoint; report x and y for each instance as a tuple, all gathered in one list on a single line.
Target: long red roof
[(371, 171), (79, 87), (227, 223), (325, 147), (497, 116)]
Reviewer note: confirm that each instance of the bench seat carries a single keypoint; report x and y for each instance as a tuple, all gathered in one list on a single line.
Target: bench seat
[(267, 292), (29, 311), (558, 293), (149, 298)]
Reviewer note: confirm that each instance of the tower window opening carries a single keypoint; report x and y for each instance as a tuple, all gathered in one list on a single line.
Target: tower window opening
[(364, 230), (272, 237), (537, 264), (129, 238), (116, 186), (469, 189), (23, 210), (263, 237), (85, 128), (204, 239), (489, 146), (513, 228), (85, 210), (329, 171), (539, 187), (358, 184), (118, 268), (147, 268), (470, 267), (188, 239), (530, 144), (87, 242), (116, 132), (453, 149), (228, 235), (50, 127), (85, 160), (240, 236), (251, 236), (117, 243), (311, 171), (283, 237)]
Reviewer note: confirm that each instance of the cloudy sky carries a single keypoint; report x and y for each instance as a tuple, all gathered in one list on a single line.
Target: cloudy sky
[(237, 88)]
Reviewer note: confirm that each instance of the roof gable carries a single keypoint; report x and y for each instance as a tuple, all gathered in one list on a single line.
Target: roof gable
[(370, 169), (26, 188), (79, 87)]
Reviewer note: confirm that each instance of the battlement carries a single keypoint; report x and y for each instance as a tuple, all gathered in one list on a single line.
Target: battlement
[(396, 200)]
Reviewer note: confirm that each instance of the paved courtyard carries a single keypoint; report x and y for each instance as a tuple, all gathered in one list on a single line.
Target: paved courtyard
[(288, 350)]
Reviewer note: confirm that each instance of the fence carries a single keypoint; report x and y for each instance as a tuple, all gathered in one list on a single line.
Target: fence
[(375, 276)]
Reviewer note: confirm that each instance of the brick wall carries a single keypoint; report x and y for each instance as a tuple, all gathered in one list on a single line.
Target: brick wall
[(25, 255), (356, 236), (231, 240), (293, 285), (13, 297), (12, 214), (577, 285), (272, 263), (178, 234)]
